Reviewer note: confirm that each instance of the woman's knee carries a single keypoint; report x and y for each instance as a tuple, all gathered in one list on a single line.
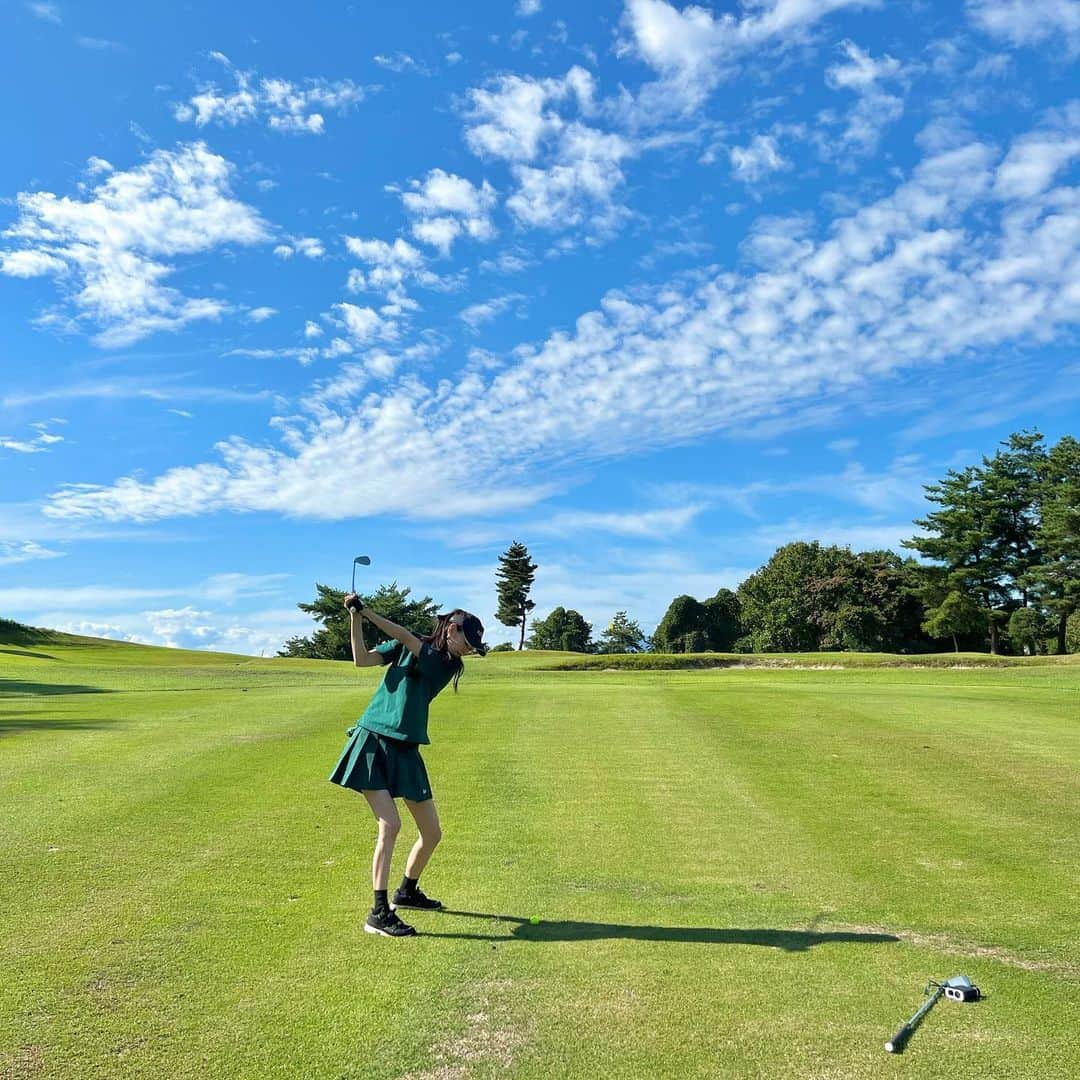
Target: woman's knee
[(389, 828)]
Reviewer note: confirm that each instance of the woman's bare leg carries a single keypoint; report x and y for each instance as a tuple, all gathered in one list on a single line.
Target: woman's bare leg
[(386, 813), (427, 821)]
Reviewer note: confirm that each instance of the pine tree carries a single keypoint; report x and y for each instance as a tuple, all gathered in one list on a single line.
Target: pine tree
[(957, 614), (623, 635), (332, 641), (964, 535), (1055, 579), (513, 581)]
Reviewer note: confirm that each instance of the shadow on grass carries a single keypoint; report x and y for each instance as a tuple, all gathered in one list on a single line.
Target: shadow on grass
[(18, 688), (26, 652), (12, 725), (563, 930)]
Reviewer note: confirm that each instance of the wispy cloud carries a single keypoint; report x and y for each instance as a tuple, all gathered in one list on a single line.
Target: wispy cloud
[(124, 387), (20, 551), (693, 50), (45, 11), (41, 441), (292, 108), (1029, 22), (107, 252), (876, 107), (896, 284), (475, 315), (400, 62)]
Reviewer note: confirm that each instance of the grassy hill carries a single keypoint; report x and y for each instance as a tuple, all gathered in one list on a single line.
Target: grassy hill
[(738, 871)]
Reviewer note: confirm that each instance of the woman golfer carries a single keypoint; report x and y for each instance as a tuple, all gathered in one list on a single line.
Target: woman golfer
[(382, 757)]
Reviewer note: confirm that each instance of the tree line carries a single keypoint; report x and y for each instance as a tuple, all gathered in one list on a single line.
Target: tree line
[(1000, 570)]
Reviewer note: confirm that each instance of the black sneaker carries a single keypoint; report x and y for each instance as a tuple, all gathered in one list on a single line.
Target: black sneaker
[(387, 924), (415, 899)]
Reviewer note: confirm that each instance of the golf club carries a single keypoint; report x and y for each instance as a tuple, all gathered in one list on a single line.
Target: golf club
[(958, 988), (360, 560)]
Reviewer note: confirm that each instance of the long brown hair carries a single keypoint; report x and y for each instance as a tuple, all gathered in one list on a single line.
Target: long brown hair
[(437, 640)]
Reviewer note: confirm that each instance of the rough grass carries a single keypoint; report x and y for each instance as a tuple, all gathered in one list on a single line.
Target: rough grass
[(738, 872)]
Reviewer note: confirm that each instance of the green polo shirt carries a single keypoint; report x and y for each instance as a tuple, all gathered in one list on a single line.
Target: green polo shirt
[(399, 709)]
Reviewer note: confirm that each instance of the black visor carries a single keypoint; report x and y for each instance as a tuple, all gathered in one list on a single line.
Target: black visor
[(473, 629)]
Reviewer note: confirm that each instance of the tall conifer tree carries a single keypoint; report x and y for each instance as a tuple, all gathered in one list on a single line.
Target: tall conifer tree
[(513, 580)]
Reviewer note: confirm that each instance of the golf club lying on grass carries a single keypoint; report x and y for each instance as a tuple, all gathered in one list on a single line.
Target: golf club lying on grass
[(360, 560), (958, 988)]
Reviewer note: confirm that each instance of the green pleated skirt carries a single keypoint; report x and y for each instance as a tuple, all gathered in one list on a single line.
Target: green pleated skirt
[(372, 762)]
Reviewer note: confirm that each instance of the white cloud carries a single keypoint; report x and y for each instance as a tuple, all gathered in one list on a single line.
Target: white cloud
[(1035, 159), (389, 267), (99, 44), (876, 108), (19, 551), (400, 62), (306, 356), (525, 8), (1029, 22), (312, 330), (308, 246), (47, 12), (565, 171), (446, 206), (645, 524), (261, 314), (761, 157), (512, 116), (108, 252), (693, 51), (475, 315), (843, 446), (284, 106), (937, 269), (362, 323), (120, 388), (578, 188), (252, 633), (41, 442)]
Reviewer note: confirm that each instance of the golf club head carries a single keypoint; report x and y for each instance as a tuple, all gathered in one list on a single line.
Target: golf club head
[(360, 560)]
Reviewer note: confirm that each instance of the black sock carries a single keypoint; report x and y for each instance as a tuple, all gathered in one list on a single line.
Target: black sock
[(408, 884), (381, 903)]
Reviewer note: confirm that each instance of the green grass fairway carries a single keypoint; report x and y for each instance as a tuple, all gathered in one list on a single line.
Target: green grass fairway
[(744, 872)]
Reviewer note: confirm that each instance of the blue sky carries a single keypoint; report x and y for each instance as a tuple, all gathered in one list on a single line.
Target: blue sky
[(650, 288)]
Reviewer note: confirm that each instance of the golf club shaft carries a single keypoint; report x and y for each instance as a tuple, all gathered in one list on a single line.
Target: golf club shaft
[(897, 1043)]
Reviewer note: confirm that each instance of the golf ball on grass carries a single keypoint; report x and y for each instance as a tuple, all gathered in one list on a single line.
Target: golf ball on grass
[(535, 920)]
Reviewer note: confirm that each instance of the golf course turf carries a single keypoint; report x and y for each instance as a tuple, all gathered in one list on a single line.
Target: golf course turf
[(738, 872)]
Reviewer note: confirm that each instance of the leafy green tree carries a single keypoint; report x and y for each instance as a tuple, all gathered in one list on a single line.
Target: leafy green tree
[(563, 630), (503, 646), (513, 581), (1029, 630), (623, 635), (723, 621), (1072, 633), (865, 605), (778, 609), (332, 640), (683, 628), (957, 614), (1055, 577)]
